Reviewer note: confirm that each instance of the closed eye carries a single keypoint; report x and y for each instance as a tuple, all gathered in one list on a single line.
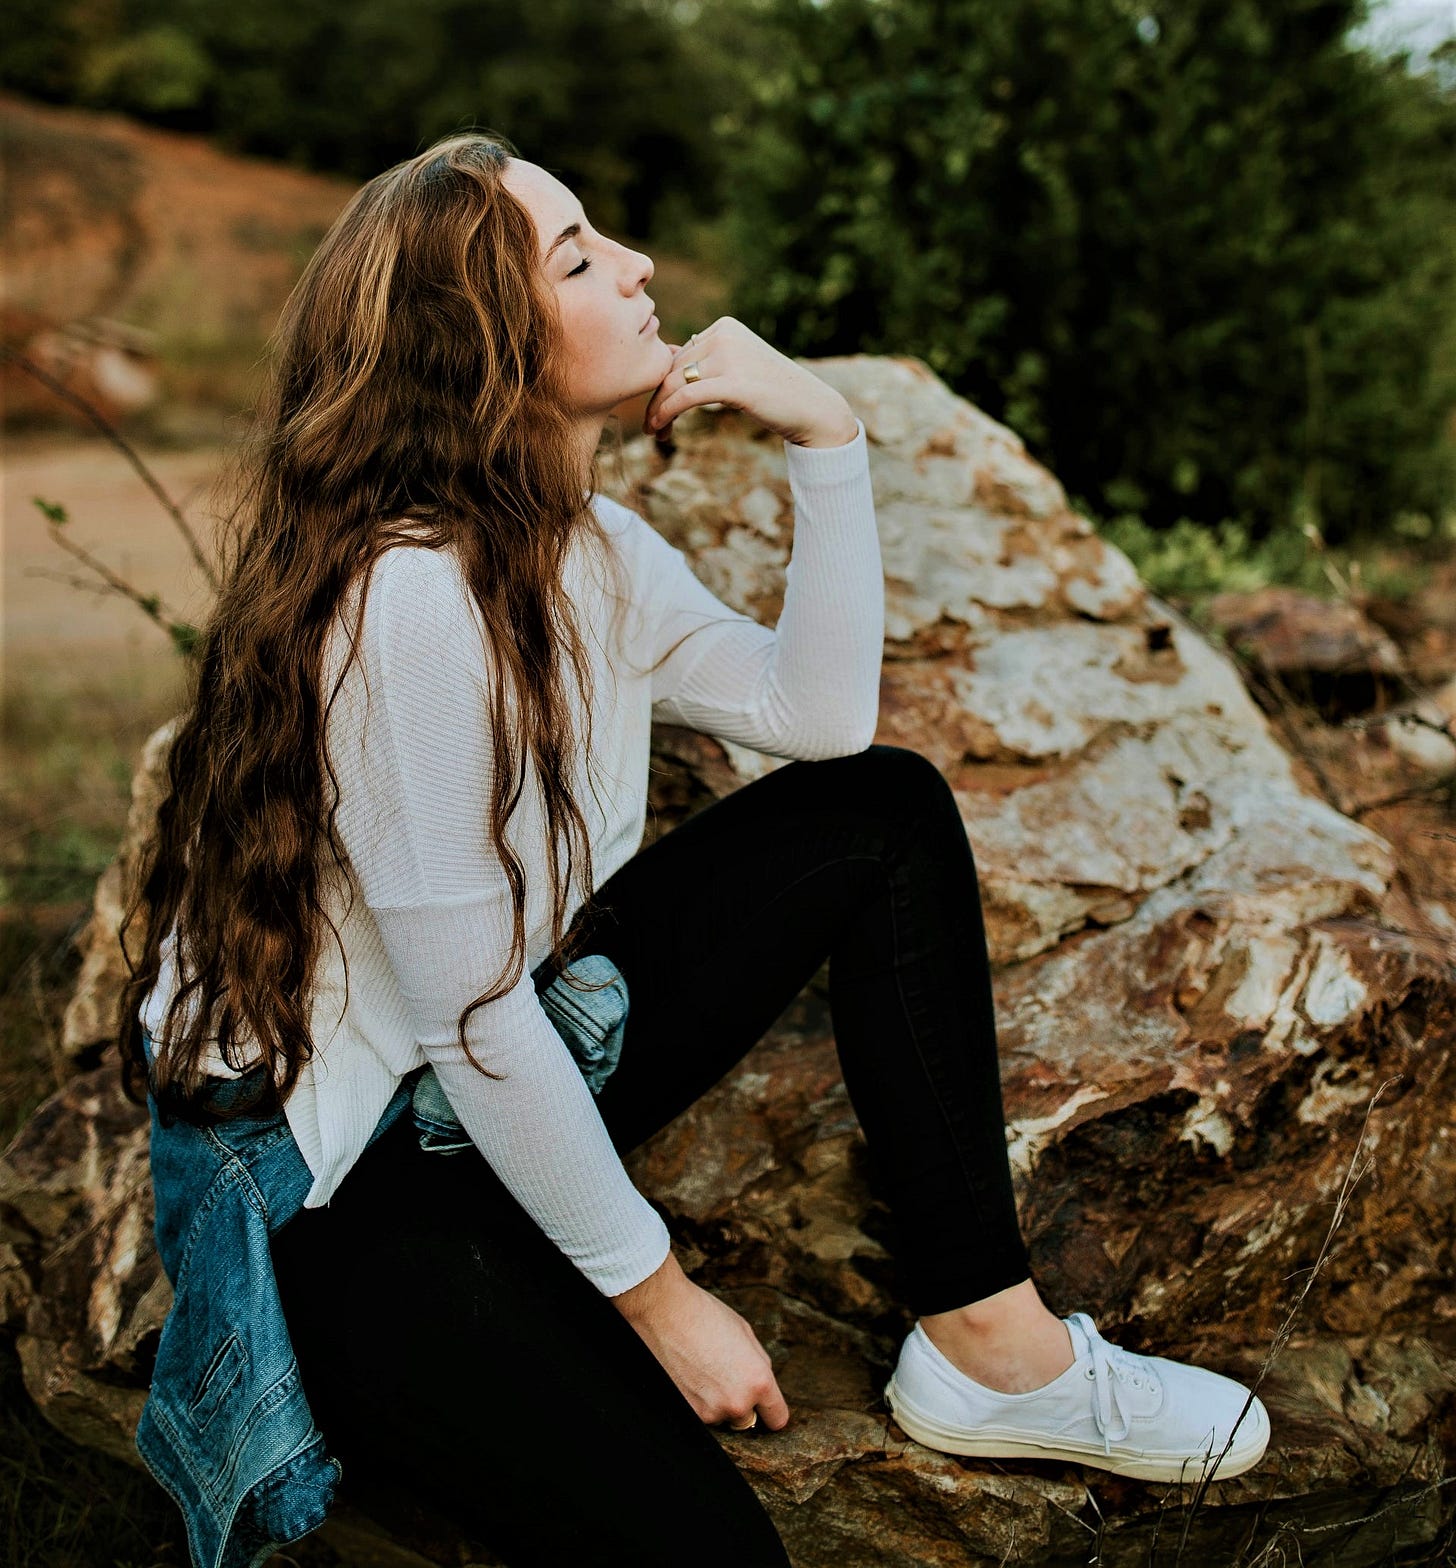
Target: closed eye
[(585, 263)]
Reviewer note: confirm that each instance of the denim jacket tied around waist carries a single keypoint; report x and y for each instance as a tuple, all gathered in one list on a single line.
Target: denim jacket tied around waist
[(226, 1429)]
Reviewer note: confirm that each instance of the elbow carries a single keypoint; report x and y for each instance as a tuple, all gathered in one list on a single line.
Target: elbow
[(863, 737), (812, 731), (861, 733), (844, 740)]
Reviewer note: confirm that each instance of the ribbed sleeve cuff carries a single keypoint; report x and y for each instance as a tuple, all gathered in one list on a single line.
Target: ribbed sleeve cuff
[(818, 465), (631, 1268)]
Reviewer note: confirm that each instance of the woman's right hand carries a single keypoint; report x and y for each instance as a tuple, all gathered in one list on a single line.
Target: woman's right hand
[(709, 1350)]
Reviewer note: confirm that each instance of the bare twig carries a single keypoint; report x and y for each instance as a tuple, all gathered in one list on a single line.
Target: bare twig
[(1285, 704), (1158, 1529), (1370, 1518), (1076, 1519), (1257, 1523), (1267, 1555), (1360, 1162), (1380, 1513), (1368, 721), (1417, 694), (1101, 1530), (104, 425), (149, 604), (70, 579), (1400, 797)]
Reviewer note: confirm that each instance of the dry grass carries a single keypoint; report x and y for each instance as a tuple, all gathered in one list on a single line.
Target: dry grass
[(70, 743)]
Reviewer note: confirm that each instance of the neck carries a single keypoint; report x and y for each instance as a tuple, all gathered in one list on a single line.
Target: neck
[(589, 438)]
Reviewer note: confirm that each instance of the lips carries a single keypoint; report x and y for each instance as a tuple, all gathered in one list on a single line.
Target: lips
[(647, 323)]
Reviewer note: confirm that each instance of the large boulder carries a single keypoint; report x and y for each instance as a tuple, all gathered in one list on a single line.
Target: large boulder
[(1226, 1031)]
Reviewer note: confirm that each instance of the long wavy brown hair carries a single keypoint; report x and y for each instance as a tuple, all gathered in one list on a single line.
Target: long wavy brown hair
[(416, 381)]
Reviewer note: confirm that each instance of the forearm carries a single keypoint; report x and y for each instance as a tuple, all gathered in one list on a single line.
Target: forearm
[(810, 687), (829, 641), (537, 1125), (651, 1296)]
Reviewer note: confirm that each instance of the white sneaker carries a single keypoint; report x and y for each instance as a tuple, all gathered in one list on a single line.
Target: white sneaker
[(1135, 1415)]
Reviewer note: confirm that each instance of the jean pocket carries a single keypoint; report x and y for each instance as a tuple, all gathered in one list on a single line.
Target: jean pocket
[(227, 1364), (436, 1125), (592, 1023)]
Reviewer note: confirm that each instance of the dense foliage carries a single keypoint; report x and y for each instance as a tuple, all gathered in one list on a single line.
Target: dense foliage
[(1200, 254), (608, 93)]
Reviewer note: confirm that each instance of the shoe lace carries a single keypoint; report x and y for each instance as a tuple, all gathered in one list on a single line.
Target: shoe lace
[(1110, 1366)]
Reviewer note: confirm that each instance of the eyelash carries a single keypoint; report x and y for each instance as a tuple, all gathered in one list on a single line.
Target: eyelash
[(585, 263)]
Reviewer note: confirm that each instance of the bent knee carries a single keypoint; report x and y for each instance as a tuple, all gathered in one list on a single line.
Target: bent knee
[(896, 782)]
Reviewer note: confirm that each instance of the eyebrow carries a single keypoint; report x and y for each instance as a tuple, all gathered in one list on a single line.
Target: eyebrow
[(570, 230)]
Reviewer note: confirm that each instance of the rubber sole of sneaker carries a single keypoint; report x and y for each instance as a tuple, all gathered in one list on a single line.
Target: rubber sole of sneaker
[(1248, 1449)]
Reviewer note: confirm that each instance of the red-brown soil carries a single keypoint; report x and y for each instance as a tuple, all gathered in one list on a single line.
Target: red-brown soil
[(108, 218)]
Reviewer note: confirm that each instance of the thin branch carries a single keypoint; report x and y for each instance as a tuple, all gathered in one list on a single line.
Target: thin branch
[(149, 604), (113, 435), (1360, 1163), (1401, 796), (1380, 1513), (70, 580), (1367, 721), (1286, 704), (1417, 694), (1257, 1522)]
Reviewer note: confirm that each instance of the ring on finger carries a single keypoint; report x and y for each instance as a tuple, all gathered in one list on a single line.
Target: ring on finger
[(691, 372)]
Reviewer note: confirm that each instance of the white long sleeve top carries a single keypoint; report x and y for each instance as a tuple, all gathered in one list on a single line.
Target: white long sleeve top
[(428, 921)]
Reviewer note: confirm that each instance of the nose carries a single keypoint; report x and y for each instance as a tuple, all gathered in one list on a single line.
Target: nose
[(639, 268)]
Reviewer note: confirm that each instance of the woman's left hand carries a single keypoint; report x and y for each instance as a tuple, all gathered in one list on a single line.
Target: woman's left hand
[(738, 368)]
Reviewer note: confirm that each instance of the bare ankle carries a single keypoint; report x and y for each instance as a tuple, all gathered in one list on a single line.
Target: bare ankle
[(1010, 1341)]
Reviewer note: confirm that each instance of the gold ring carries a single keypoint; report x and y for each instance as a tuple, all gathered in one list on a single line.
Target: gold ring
[(691, 372)]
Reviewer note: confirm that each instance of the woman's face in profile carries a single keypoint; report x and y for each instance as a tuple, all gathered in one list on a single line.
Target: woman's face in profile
[(614, 350)]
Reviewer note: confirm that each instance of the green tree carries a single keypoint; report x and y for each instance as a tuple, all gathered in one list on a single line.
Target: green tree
[(608, 94), (1198, 253)]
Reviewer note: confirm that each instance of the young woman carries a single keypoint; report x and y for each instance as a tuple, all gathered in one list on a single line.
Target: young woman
[(411, 788)]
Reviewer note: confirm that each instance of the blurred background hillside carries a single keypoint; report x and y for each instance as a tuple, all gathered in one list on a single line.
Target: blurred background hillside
[(1199, 254)]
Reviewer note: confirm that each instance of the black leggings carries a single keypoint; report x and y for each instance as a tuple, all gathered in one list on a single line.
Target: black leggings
[(447, 1344)]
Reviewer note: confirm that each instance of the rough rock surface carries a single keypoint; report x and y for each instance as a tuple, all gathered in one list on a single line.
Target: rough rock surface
[(1324, 649), (1220, 1034)]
